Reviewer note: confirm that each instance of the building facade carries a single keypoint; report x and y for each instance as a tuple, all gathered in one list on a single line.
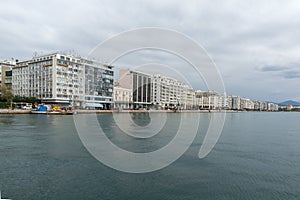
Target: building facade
[(140, 84), (6, 75), (208, 100), (234, 102), (64, 79), (98, 84), (122, 98), (170, 93), (156, 91), (246, 104)]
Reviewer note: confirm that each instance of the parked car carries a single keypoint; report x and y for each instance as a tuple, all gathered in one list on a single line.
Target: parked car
[(26, 108)]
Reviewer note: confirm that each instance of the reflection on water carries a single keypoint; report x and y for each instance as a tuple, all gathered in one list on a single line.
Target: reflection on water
[(141, 119), (135, 144)]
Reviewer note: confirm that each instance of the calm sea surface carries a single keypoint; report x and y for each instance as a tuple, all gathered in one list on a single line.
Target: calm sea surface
[(256, 157)]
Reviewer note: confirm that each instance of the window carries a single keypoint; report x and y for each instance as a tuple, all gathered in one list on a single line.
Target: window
[(8, 73)]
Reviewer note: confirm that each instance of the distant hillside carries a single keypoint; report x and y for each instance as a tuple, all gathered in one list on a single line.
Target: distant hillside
[(289, 102)]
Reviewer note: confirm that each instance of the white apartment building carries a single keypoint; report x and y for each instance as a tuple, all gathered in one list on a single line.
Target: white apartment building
[(170, 93), (190, 99), (20, 79), (234, 102), (208, 100), (64, 79), (246, 104), (272, 106)]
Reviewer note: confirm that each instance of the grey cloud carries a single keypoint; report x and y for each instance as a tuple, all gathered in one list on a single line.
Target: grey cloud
[(291, 74), (290, 71), (272, 68)]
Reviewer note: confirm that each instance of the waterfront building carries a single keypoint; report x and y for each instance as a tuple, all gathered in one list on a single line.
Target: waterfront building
[(229, 102), (289, 107), (246, 104), (272, 106), (156, 90), (169, 93), (122, 97), (257, 105), (234, 102), (140, 85), (190, 99), (263, 106), (64, 79), (6, 74), (20, 79), (208, 100), (98, 84)]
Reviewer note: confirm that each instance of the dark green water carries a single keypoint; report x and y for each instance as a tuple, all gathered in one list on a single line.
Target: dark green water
[(256, 157)]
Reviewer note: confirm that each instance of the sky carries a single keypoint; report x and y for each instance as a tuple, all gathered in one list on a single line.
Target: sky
[(255, 44)]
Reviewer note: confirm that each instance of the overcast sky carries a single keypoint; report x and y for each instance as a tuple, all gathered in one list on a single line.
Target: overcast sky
[(255, 44)]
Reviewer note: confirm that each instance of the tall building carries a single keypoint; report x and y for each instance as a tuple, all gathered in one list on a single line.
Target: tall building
[(140, 85), (98, 84), (272, 106), (234, 102), (169, 93), (64, 79), (156, 90), (246, 104), (190, 97), (256, 105), (208, 100), (20, 81)]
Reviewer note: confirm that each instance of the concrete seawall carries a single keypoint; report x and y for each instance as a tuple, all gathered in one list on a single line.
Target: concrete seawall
[(15, 111)]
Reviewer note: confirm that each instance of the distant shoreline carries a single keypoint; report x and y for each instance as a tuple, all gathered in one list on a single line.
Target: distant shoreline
[(18, 111)]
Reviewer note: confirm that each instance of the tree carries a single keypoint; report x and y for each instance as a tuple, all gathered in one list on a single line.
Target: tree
[(24, 99), (6, 94)]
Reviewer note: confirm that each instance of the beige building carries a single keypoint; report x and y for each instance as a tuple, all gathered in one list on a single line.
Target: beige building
[(6, 74), (122, 98)]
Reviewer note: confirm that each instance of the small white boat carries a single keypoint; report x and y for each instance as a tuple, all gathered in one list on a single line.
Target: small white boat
[(38, 112)]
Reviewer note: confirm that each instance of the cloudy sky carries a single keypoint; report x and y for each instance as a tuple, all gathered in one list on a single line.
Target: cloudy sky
[(255, 44)]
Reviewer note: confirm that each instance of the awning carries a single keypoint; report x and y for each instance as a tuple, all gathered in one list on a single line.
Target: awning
[(95, 105)]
